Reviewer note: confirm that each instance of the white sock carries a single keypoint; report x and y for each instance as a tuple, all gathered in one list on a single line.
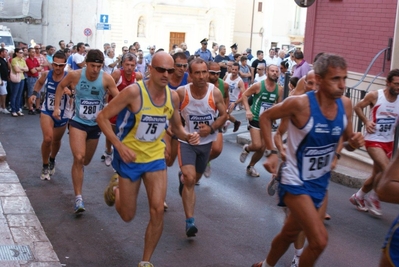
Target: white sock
[(143, 262), (360, 194), (78, 197), (298, 252)]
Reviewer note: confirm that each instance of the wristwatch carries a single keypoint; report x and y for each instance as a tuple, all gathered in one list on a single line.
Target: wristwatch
[(338, 155), (268, 153), (212, 130)]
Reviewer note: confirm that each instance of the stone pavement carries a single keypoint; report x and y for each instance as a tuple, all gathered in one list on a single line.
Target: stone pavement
[(352, 169), (23, 241)]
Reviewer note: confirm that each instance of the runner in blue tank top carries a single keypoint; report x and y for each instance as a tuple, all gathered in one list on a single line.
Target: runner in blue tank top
[(52, 129), (90, 86), (317, 121)]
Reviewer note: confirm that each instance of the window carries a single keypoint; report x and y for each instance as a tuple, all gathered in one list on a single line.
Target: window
[(260, 6)]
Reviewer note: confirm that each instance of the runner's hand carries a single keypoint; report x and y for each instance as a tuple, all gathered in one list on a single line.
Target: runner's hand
[(193, 138), (126, 154), (271, 164)]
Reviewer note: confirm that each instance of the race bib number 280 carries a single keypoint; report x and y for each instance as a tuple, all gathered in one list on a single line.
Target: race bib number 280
[(150, 128), (317, 161)]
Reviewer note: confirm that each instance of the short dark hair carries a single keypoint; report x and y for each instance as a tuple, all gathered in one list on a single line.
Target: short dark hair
[(236, 64), (294, 81), (60, 54), (259, 52), (95, 55), (30, 48), (197, 60), (79, 45), (326, 61), (298, 54), (61, 41), (2, 50), (180, 55), (391, 74), (49, 47)]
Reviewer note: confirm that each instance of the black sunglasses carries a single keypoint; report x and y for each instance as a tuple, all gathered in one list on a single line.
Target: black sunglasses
[(162, 70), (214, 72), (181, 65), (125, 50)]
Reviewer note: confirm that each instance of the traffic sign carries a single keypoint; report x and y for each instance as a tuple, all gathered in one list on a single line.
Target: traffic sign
[(87, 32), (103, 18), (103, 26)]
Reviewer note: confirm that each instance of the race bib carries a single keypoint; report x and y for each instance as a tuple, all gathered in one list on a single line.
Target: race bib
[(196, 120), (89, 109), (264, 106), (385, 127), (150, 127), (51, 100), (316, 161)]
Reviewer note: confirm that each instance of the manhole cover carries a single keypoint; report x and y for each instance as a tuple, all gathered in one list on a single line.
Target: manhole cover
[(15, 253)]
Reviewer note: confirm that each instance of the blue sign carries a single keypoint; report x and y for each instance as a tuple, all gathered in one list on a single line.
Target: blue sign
[(103, 18), (103, 26)]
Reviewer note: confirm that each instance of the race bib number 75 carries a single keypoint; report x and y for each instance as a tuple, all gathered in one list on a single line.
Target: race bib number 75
[(150, 127)]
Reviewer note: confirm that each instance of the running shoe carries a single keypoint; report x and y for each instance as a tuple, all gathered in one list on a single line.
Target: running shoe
[(244, 154), (103, 156), (359, 203), (51, 167), (19, 113), (165, 206), (373, 205), (180, 183), (5, 111), (272, 186), (207, 172), (45, 174), (109, 195), (252, 172), (258, 264), (145, 264), (327, 217), (108, 159), (79, 206), (191, 229), (14, 114), (31, 112), (226, 125), (295, 261), (236, 126)]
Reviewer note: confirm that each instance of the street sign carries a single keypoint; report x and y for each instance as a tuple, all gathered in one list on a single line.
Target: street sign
[(103, 26), (103, 18), (87, 32)]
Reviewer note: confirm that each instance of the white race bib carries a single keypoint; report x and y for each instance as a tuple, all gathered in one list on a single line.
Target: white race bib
[(89, 109), (150, 127), (196, 120), (50, 101), (385, 127), (316, 161), (264, 106)]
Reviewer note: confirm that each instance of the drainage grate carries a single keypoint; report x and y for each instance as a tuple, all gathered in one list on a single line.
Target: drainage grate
[(15, 253)]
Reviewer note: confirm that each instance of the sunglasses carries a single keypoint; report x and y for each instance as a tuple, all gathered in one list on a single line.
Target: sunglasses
[(181, 65), (125, 50), (21, 52), (260, 69), (59, 64), (204, 43), (163, 70), (214, 72)]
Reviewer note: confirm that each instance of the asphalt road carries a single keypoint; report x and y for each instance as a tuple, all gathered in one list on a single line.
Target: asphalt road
[(236, 219)]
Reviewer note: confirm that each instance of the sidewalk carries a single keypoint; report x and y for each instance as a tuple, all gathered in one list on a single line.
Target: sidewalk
[(350, 175), (23, 241)]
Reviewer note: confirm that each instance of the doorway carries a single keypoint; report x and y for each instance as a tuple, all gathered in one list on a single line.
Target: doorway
[(176, 38)]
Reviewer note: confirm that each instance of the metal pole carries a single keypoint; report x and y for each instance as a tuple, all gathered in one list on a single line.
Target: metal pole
[(252, 24)]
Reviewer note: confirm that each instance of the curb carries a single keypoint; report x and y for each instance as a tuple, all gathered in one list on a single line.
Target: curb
[(342, 175), (24, 242)]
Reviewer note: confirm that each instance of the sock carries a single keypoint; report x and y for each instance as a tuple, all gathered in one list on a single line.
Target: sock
[(298, 252), (143, 262), (373, 195), (360, 194), (45, 166), (264, 264), (78, 197), (52, 160), (190, 220)]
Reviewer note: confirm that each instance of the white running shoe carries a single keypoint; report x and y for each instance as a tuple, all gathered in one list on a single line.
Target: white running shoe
[(5, 111), (207, 172), (226, 125), (295, 261), (45, 174), (108, 159), (252, 172), (373, 205), (244, 154), (359, 203), (272, 186)]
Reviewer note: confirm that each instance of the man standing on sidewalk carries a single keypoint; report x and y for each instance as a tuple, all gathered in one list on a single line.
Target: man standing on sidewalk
[(200, 103), (33, 74), (380, 132), (3, 80)]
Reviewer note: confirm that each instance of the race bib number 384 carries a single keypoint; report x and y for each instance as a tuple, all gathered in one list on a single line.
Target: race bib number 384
[(150, 127), (316, 161)]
